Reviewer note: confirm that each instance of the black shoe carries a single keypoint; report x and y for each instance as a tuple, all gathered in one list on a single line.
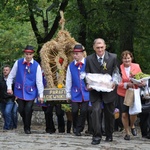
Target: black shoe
[(109, 139), (127, 137), (78, 134), (27, 132), (50, 131), (133, 131), (61, 131), (95, 142)]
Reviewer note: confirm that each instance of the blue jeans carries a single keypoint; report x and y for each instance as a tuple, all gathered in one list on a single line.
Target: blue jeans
[(8, 114), (14, 116)]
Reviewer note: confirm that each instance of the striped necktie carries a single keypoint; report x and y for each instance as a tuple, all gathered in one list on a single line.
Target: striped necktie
[(100, 61)]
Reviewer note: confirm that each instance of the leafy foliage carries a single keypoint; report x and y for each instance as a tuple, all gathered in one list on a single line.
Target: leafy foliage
[(124, 24)]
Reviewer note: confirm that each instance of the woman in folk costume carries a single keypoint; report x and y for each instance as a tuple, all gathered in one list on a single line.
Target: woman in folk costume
[(28, 85), (76, 89)]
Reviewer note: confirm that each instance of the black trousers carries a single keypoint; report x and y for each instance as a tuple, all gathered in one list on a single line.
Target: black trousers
[(89, 119), (109, 118), (118, 122), (79, 112), (25, 109), (97, 122), (48, 111), (144, 123)]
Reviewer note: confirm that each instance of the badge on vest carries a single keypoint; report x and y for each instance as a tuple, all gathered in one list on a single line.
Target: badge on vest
[(28, 69)]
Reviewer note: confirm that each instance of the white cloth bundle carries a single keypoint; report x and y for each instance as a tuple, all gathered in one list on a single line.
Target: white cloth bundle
[(99, 82)]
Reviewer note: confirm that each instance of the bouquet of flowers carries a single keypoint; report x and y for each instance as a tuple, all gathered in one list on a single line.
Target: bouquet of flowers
[(139, 77)]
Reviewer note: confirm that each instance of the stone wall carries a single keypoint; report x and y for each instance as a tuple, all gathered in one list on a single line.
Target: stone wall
[(37, 116)]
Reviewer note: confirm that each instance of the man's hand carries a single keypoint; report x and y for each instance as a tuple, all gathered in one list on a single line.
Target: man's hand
[(10, 92), (41, 100), (68, 100), (142, 84), (130, 85), (89, 88), (113, 86)]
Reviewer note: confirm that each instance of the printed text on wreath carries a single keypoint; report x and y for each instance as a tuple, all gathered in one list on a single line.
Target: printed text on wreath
[(51, 94)]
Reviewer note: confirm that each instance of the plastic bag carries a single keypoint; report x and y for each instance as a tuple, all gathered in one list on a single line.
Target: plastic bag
[(116, 76), (136, 108)]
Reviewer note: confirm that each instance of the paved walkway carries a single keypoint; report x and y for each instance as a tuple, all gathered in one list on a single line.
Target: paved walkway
[(39, 140)]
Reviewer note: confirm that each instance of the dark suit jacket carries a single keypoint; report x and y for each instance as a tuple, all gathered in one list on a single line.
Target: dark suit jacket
[(4, 96), (93, 66)]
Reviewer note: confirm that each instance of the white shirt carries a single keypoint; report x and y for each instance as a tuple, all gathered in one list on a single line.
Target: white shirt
[(101, 57), (127, 70), (69, 80), (39, 81)]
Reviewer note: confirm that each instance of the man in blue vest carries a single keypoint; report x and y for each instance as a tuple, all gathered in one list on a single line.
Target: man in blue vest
[(28, 85), (76, 89)]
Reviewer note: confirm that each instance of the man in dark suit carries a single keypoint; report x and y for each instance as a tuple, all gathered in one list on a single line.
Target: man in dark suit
[(102, 62)]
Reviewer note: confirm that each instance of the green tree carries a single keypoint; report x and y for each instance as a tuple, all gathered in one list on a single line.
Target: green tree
[(124, 24)]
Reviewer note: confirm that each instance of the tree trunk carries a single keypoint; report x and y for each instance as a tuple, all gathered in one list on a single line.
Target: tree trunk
[(126, 37), (127, 27), (51, 33), (82, 32)]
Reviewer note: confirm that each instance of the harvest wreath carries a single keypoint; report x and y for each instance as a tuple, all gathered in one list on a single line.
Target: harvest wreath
[(55, 57)]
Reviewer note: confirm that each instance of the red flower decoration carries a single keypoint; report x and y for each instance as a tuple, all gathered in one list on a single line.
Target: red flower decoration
[(61, 60)]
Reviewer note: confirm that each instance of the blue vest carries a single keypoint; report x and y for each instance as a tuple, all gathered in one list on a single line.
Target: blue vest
[(79, 92), (25, 82)]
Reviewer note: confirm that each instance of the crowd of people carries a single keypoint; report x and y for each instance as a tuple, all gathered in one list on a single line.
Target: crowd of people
[(21, 85)]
